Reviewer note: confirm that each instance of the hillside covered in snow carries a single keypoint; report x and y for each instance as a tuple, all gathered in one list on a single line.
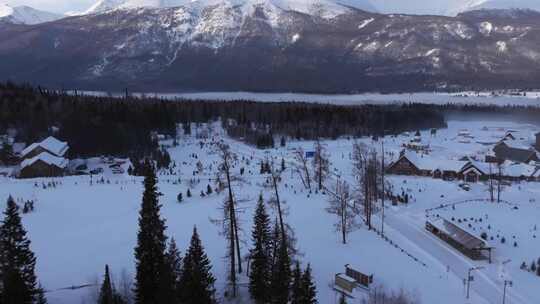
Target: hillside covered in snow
[(25, 15)]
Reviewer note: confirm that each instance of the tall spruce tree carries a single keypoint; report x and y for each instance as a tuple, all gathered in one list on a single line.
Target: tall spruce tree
[(40, 298), (297, 291), (106, 294), (150, 279), (281, 275), (308, 287), (259, 276), (17, 261), (197, 279), (174, 269)]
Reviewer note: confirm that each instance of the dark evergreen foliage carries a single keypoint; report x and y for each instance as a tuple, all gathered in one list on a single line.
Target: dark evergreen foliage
[(106, 294), (150, 279), (124, 127), (260, 274), (308, 287), (297, 291), (173, 272), (17, 261), (281, 276), (197, 279)]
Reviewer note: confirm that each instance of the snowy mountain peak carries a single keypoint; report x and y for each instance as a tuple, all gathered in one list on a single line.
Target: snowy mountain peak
[(472, 5), (323, 7), (25, 15)]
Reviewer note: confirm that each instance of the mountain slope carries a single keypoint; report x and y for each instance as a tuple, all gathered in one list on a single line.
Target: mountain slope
[(260, 46), (297, 5), (496, 4), (25, 15)]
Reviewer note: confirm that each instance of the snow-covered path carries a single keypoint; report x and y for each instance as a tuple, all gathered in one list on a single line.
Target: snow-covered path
[(483, 285)]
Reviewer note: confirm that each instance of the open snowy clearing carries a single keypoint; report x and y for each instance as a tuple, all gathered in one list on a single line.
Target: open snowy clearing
[(82, 223)]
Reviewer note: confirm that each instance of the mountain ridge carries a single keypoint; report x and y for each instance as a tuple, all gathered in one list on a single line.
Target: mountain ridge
[(262, 47)]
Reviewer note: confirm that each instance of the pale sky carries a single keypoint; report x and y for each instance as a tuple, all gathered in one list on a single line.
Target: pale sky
[(388, 6)]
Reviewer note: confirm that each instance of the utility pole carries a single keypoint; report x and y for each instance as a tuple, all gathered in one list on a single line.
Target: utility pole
[(509, 283), (470, 278)]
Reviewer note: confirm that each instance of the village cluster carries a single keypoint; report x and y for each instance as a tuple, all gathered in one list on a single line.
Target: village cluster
[(508, 157), (416, 165)]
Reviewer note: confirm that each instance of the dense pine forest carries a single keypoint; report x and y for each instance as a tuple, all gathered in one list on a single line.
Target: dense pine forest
[(123, 126)]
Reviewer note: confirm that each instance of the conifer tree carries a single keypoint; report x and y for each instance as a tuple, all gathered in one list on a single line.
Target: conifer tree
[(40, 298), (308, 287), (297, 294), (259, 276), (342, 300), (106, 291), (197, 280), (17, 261), (281, 276), (174, 268), (150, 287)]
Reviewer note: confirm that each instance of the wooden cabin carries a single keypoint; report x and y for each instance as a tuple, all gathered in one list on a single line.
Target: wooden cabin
[(43, 165)]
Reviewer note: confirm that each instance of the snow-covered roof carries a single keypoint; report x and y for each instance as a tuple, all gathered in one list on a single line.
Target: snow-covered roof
[(481, 166), (426, 162), (51, 144), (47, 158), (459, 234), (517, 170)]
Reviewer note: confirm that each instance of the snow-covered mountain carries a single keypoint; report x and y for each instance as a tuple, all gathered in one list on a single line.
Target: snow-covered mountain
[(471, 5), (25, 15), (276, 45), (303, 6)]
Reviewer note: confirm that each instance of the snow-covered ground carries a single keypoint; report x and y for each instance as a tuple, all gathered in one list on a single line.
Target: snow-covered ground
[(482, 98), (82, 223)]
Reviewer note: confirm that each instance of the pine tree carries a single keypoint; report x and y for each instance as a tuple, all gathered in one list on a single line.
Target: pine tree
[(150, 250), (40, 297), (174, 268), (309, 287), (197, 280), (297, 292), (281, 276), (342, 300), (188, 194), (533, 266), (106, 291), (259, 276), (17, 261)]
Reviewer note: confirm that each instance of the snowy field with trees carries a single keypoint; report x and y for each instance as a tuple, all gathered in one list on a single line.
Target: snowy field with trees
[(324, 202)]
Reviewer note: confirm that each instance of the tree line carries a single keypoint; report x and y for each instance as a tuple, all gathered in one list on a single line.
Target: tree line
[(124, 126)]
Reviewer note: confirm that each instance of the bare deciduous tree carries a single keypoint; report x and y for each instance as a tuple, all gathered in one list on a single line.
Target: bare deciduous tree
[(369, 178), (302, 167), (230, 220), (321, 164), (380, 295), (341, 205)]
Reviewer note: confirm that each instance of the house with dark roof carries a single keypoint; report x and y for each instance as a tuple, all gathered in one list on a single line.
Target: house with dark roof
[(503, 151)]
